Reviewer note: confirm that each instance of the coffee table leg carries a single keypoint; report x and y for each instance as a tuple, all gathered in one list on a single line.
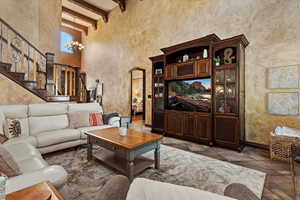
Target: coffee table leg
[(89, 151), (130, 170), (157, 158)]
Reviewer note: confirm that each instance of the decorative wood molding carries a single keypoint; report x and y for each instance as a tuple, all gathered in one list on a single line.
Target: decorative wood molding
[(84, 28), (80, 16), (91, 8), (122, 4)]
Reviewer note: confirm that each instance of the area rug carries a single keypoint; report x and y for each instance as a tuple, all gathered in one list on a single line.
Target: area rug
[(177, 166)]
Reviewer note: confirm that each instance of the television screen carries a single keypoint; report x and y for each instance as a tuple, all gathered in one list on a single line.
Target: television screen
[(190, 95)]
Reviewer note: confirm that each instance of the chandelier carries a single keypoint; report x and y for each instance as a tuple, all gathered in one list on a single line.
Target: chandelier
[(74, 45)]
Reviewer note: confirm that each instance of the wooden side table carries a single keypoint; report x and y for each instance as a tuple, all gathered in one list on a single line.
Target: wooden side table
[(41, 191)]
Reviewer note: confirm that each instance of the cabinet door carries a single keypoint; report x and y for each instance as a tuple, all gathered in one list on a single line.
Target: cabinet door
[(203, 68), (203, 127), (227, 130), (174, 123), (189, 125), (170, 72), (185, 70), (158, 121)]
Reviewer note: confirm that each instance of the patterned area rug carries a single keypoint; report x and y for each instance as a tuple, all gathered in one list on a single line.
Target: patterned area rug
[(177, 167)]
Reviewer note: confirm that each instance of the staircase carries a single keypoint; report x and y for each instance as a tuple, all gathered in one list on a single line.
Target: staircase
[(23, 63)]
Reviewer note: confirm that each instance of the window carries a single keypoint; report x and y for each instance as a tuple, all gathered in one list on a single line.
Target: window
[(64, 39)]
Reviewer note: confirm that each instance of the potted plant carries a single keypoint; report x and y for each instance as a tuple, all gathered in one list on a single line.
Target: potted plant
[(217, 60)]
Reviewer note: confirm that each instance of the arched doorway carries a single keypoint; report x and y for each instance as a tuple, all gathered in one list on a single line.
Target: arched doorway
[(138, 93)]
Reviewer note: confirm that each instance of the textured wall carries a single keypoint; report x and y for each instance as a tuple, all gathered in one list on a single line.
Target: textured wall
[(271, 26), (11, 93)]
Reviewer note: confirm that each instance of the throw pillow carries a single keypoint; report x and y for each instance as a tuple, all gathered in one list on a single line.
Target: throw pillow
[(96, 119), (2, 122), (8, 165), (3, 139), (12, 128), (107, 116), (79, 119)]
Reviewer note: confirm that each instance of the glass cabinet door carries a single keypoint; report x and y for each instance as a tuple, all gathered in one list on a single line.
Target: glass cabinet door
[(158, 93), (225, 91)]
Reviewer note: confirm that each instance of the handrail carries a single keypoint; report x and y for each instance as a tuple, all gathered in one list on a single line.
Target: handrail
[(19, 35)]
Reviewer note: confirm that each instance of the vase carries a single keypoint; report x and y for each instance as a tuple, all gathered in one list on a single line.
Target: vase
[(3, 179), (205, 53)]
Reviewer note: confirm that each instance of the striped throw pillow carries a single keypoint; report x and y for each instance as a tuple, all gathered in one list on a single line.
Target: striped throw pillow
[(96, 119)]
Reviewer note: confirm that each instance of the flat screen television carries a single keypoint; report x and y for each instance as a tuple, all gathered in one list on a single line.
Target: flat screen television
[(190, 95)]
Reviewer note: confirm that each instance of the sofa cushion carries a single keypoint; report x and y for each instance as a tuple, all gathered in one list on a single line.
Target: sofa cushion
[(38, 125), (58, 136), (32, 164), (15, 111), (91, 128), (79, 119), (47, 109), (21, 151), (153, 190), (8, 165), (89, 107), (23, 139)]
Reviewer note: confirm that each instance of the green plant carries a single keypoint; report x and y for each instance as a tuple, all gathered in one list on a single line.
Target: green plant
[(217, 59)]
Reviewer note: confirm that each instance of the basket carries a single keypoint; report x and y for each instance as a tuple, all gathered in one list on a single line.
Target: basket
[(280, 146)]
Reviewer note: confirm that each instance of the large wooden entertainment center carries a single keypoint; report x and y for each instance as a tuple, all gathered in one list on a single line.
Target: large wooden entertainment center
[(218, 118)]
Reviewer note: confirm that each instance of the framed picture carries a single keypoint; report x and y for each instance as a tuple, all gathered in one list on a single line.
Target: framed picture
[(158, 71)]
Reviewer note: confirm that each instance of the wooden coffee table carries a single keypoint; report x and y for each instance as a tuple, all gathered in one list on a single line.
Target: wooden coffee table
[(124, 152), (41, 191)]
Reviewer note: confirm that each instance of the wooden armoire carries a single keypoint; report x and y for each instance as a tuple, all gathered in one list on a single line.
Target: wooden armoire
[(222, 62)]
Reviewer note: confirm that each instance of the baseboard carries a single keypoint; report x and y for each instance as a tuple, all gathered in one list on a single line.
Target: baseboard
[(256, 145), (148, 125)]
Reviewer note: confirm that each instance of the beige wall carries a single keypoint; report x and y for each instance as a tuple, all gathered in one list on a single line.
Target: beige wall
[(39, 22), (271, 26), (12, 93)]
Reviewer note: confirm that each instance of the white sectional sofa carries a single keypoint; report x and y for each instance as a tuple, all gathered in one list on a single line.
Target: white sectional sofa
[(33, 167), (46, 126)]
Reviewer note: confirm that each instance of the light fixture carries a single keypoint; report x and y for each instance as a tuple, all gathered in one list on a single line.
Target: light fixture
[(74, 45)]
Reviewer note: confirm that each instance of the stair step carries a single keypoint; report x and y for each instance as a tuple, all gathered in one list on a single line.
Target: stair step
[(5, 66), (30, 84), (59, 98), (18, 75), (42, 92)]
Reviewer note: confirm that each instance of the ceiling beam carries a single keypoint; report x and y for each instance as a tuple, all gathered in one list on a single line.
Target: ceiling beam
[(91, 8), (122, 4), (80, 16), (79, 26)]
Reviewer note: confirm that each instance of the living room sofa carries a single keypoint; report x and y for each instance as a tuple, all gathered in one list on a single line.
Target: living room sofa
[(33, 167), (46, 126), (119, 188)]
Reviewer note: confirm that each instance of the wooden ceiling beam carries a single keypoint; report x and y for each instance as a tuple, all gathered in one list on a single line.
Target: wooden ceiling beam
[(122, 4), (79, 26), (91, 8), (80, 16)]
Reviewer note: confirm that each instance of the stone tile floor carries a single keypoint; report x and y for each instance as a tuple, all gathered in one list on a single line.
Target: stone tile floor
[(278, 184)]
